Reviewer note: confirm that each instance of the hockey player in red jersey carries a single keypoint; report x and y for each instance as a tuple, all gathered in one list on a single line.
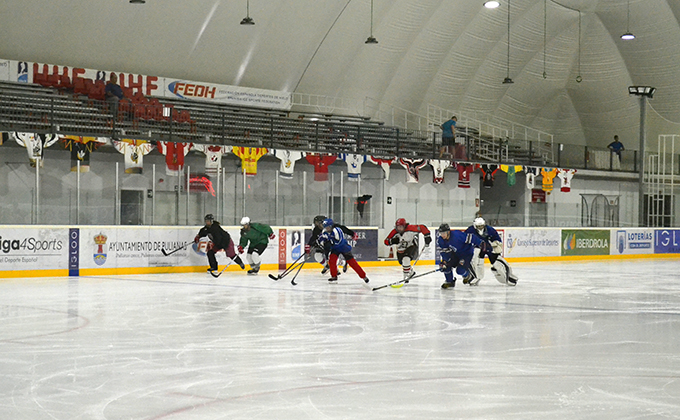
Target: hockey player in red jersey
[(406, 236)]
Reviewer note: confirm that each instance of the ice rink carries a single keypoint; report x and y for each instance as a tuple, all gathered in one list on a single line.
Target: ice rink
[(573, 340)]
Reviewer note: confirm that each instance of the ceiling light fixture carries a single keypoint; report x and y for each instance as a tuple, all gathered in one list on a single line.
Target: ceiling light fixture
[(491, 4), (371, 39), (247, 20), (507, 79), (137, 1), (628, 35), (579, 79)]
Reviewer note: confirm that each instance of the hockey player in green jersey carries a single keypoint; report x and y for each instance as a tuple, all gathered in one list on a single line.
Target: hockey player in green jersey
[(258, 234)]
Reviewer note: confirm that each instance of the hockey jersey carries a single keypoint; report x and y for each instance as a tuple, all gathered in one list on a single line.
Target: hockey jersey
[(413, 167), (287, 159), (35, 145), (80, 148), (174, 155), (354, 163), (249, 157), (321, 162), (213, 157), (488, 171), (409, 237), (565, 176), (464, 172), (134, 151), (531, 176), (384, 163), (548, 178), (438, 168), (511, 170)]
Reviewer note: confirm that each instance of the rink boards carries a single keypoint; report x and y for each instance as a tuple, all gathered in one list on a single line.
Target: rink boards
[(36, 251)]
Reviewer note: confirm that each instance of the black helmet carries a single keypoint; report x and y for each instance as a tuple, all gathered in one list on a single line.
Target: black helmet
[(319, 219), (444, 227), (209, 216)]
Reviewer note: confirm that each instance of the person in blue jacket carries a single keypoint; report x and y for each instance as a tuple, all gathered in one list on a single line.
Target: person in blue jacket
[(457, 249), (333, 237)]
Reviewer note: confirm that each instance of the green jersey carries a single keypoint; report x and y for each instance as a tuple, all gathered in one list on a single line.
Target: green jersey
[(258, 234)]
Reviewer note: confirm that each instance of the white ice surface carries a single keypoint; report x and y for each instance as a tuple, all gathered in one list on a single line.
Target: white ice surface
[(572, 341)]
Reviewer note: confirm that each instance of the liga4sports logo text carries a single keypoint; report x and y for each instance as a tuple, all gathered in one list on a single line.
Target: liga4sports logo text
[(30, 244)]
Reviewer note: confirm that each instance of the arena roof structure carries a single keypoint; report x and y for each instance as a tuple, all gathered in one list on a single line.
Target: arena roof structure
[(571, 69)]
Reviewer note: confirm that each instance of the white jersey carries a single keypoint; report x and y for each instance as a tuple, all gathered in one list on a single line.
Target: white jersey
[(287, 159), (438, 168), (384, 163), (213, 157), (354, 163), (134, 151), (531, 176), (413, 167), (565, 176), (35, 145)]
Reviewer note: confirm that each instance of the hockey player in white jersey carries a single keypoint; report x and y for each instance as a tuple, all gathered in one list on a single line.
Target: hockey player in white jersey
[(499, 267), (405, 237)]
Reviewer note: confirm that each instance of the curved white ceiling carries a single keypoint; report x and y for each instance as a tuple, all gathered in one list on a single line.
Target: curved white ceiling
[(449, 53)]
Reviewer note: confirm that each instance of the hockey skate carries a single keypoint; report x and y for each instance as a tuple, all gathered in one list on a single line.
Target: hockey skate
[(333, 280), (447, 285), (325, 269), (243, 266), (254, 269), (211, 270)]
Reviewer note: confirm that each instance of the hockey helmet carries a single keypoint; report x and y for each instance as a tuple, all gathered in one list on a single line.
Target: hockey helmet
[(479, 223), (209, 216), (400, 222), (245, 221), (327, 223), (319, 219), (444, 227)]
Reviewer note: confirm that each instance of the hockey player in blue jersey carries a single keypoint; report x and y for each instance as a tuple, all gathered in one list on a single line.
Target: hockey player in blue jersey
[(494, 247), (333, 237), (457, 249)]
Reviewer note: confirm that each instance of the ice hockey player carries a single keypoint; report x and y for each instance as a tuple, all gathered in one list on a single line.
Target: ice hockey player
[(338, 246), (499, 267), (258, 234), (457, 249), (219, 240), (405, 237), (321, 253)]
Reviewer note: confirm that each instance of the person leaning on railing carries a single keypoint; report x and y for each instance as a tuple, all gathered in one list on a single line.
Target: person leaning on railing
[(616, 147), (113, 94)]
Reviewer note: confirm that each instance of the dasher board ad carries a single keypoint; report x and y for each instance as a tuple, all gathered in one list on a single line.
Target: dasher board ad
[(632, 241), (585, 242), (33, 248), (118, 247), (531, 243)]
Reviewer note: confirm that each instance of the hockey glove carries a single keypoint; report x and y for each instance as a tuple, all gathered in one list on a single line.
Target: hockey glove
[(395, 240), (272, 236), (240, 249), (308, 249), (196, 239), (497, 247), (483, 247), (428, 240)]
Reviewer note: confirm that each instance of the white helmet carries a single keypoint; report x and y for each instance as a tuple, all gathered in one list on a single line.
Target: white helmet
[(245, 221), (479, 223)]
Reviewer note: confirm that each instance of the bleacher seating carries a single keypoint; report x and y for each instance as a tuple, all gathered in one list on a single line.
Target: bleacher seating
[(81, 110)]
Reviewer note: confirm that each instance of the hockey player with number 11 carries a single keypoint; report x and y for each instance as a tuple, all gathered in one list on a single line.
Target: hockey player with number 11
[(457, 249)]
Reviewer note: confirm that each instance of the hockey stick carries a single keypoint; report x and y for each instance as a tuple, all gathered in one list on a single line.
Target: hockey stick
[(403, 281), (413, 271), (288, 270), (292, 281), (166, 253), (221, 271)]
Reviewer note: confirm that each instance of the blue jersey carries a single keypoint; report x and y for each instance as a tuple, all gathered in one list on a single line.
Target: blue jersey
[(488, 234), (459, 246), (336, 239)]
